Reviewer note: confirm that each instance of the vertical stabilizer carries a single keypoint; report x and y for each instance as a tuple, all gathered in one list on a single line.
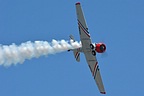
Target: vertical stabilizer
[(76, 52)]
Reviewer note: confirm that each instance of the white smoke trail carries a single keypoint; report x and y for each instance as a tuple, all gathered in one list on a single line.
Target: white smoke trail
[(14, 54)]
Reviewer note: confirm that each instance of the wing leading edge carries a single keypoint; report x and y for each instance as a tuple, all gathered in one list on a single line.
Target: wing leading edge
[(86, 41)]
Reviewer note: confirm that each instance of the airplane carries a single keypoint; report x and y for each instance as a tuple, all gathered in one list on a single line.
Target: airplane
[(88, 48)]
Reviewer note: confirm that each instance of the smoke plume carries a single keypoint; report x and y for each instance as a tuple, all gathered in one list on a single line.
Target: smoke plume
[(14, 54)]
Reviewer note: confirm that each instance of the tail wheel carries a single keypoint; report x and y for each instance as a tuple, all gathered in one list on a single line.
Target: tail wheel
[(91, 46), (93, 53)]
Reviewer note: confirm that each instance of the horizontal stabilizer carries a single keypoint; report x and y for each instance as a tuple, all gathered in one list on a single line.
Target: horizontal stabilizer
[(76, 55)]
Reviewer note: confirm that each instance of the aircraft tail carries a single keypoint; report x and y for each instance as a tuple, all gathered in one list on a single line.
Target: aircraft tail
[(76, 55), (76, 52)]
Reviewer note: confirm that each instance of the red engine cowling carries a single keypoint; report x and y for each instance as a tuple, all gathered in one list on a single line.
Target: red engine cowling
[(100, 48)]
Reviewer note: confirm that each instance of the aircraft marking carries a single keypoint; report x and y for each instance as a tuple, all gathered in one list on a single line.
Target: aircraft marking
[(83, 28)]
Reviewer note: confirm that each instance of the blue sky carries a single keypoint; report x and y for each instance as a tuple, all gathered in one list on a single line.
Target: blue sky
[(118, 23)]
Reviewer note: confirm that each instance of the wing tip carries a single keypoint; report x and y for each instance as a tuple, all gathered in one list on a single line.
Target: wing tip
[(78, 3), (103, 92)]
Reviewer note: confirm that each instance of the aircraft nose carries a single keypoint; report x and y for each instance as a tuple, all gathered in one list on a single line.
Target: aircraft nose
[(102, 48)]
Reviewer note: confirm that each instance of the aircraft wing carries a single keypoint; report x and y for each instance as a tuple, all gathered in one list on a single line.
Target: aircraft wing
[(86, 41), (83, 29), (94, 68)]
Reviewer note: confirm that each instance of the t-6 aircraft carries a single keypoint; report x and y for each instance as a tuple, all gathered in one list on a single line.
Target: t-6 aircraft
[(88, 48)]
